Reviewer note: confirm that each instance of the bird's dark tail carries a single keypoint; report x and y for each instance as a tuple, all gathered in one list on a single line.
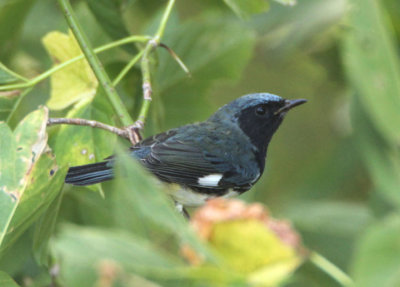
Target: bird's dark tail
[(90, 173)]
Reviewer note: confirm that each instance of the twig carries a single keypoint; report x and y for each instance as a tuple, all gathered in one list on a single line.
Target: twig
[(95, 64), (131, 132), (10, 94), (176, 58)]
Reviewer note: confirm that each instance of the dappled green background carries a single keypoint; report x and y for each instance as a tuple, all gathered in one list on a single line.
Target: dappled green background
[(333, 168)]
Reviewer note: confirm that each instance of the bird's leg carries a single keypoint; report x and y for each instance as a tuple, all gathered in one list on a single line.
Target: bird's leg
[(179, 207)]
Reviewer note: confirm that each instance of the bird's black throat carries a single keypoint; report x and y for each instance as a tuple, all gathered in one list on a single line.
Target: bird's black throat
[(259, 131)]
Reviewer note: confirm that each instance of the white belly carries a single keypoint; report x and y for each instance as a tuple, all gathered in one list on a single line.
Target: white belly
[(190, 198)]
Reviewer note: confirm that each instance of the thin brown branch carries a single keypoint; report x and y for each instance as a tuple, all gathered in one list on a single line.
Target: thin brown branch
[(130, 133)]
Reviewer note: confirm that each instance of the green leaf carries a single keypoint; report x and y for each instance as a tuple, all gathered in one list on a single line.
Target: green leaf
[(29, 176), (229, 47), (78, 145), (244, 9), (84, 252), (372, 66), (19, 152), (12, 17), (109, 15), (74, 144), (44, 230), (7, 281), (149, 201), (382, 159), (7, 76), (377, 260), (286, 30), (73, 83), (332, 218)]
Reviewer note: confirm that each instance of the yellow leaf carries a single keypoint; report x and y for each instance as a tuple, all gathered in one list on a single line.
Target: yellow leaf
[(250, 248), (73, 83), (273, 274)]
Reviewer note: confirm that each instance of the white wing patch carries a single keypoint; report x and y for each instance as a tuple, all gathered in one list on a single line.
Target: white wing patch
[(210, 180)]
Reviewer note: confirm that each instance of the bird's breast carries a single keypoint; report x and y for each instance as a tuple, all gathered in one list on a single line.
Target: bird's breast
[(191, 198)]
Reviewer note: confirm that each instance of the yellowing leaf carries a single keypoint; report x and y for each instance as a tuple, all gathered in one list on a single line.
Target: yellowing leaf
[(272, 274), (262, 250), (248, 245), (73, 83), (252, 249)]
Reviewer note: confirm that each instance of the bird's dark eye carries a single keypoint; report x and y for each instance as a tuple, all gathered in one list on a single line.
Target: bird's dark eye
[(261, 110)]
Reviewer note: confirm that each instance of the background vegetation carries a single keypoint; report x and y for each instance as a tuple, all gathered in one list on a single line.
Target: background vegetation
[(333, 168)]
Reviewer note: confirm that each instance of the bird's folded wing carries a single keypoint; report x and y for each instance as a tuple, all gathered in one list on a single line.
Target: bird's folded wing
[(185, 163)]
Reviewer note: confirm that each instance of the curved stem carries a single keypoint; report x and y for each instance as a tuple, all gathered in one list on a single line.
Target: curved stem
[(54, 69), (332, 270), (95, 64)]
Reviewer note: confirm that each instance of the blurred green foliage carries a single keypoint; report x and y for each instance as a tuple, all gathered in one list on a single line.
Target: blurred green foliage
[(333, 168)]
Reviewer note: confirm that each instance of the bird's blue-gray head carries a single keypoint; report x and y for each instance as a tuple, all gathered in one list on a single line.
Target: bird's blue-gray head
[(258, 116)]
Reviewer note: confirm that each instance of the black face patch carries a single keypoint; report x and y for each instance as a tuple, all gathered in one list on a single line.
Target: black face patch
[(259, 123)]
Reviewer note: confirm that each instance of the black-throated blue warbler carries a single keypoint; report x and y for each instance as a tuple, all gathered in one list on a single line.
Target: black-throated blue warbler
[(222, 156)]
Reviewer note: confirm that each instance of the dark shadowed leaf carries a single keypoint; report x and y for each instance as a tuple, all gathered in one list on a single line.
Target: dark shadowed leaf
[(44, 230), (229, 47), (12, 17), (7, 281), (109, 15)]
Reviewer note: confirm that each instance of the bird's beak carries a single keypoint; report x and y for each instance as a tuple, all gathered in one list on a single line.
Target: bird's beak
[(289, 104)]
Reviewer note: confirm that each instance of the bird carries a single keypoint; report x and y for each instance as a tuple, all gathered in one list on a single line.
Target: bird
[(223, 156)]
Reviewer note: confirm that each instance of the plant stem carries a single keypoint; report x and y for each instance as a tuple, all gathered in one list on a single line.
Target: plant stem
[(94, 62), (126, 69), (164, 20), (13, 73), (145, 64), (332, 270), (51, 71), (17, 103)]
